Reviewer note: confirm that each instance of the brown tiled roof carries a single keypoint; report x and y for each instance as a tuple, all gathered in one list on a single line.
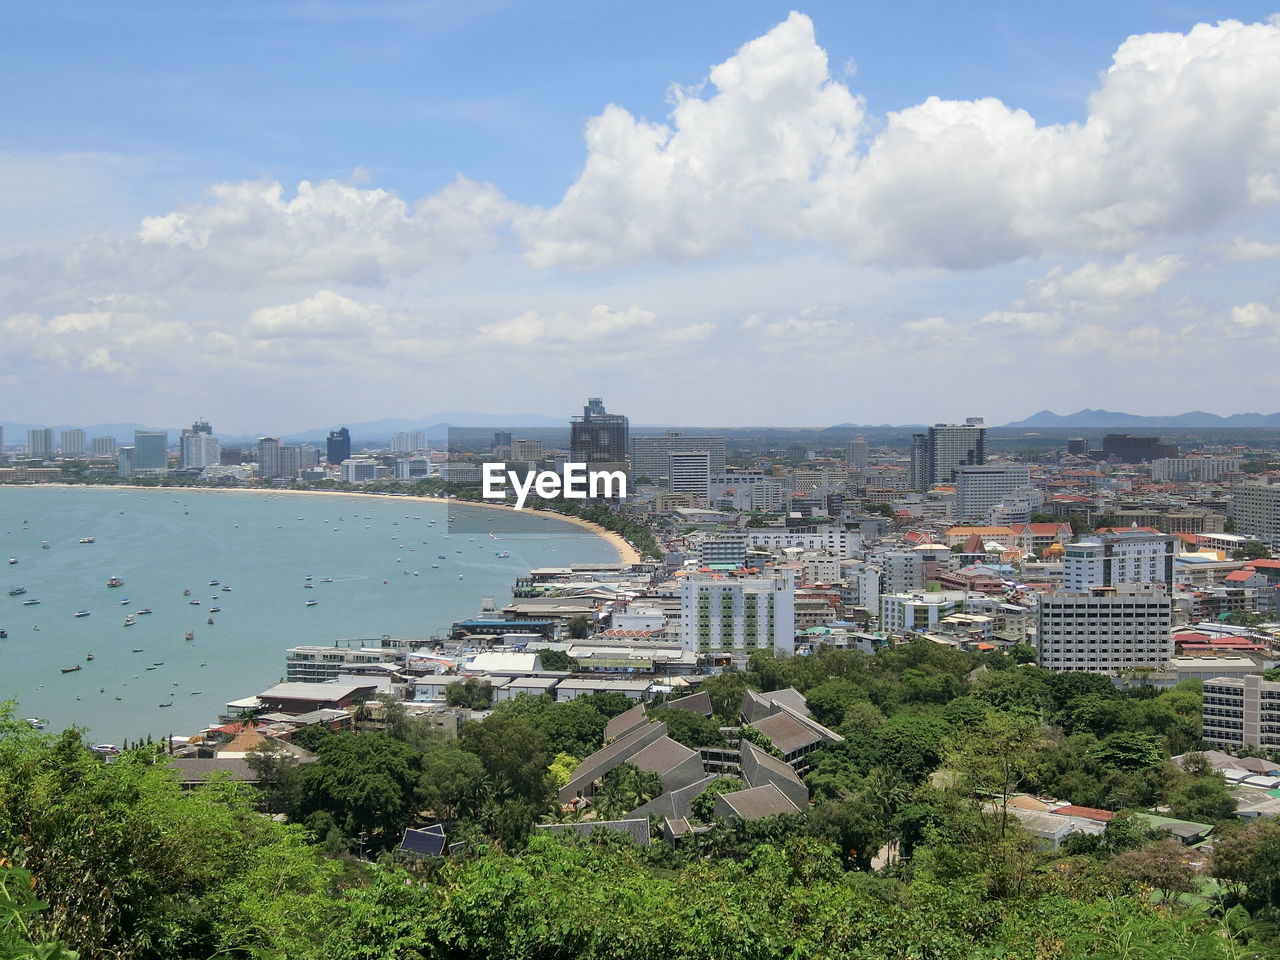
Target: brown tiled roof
[(786, 732), (662, 755), (758, 802)]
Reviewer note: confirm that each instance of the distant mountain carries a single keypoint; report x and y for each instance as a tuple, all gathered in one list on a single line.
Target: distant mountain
[(1111, 418), (436, 425)]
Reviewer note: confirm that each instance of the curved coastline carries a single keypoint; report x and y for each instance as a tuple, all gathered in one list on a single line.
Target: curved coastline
[(626, 552)]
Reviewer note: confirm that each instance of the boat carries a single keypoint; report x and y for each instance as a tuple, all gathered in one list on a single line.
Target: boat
[(12, 561), (215, 609), (196, 693), (71, 669), (502, 554), (144, 611), (312, 603), (189, 635), (213, 583), (194, 603), (459, 576), (209, 621), (150, 668), (115, 582), (89, 656), (226, 589), (106, 749), (44, 544), (124, 602), (158, 663), (29, 603), (36, 723), (129, 621), (137, 649), (3, 633), (17, 591), (309, 586), (86, 539), (82, 613), (441, 556), (435, 566), (306, 578), (186, 593), (169, 704)]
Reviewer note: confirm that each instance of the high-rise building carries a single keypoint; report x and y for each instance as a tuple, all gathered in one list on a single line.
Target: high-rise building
[(501, 438), (978, 489), (71, 444), (150, 451), (40, 443), (199, 450), (1242, 711), (936, 455), (689, 471), (738, 615), (597, 436), (338, 446), (124, 461), (1105, 630), (649, 454), (1077, 446), (1112, 559), (408, 441), (1122, 446), (858, 454), (1256, 507), (202, 426), (290, 460), (103, 446), (269, 458), (526, 451), (1201, 469)]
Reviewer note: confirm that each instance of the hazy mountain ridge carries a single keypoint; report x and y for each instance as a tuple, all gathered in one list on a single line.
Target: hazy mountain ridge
[(1111, 418)]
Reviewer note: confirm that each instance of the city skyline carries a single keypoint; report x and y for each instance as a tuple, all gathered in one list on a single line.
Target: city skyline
[(841, 193)]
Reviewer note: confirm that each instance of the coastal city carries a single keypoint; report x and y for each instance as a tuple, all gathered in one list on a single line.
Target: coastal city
[(665, 481)]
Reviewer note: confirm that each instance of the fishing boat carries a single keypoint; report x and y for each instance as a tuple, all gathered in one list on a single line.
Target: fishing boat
[(12, 561), (309, 586), (44, 544), (150, 668), (36, 723), (194, 603), (129, 621), (144, 611), (29, 603), (137, 649), (502, 554), (82, 613), (189, 635), (71, 669), (209, 621), (3, 633), (226, 589), (169, 704), (17, 591), (124, 602), (86, 539), (186, 593), (312, 603), (158, 663), (89, 656), (115, 582), (215, 609), (213, 583), (196, 693)]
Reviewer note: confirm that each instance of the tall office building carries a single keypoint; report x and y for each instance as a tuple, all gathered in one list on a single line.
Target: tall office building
[(150, 451), (71, 444), (858, 454), (936, 455), (738, 615), (526, 451), (501, 438), (124, 461), (1105, 630), (978, 489), (40, 443), (1112, 559), (649, 454), (408, 441), (103, 446), (689, 471), (338, 446), (289, 460), (1130, 449), (597, 436), (202, 426), (199, 450), (269, 457)]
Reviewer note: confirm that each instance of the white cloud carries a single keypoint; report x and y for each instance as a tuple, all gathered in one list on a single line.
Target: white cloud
[(1130, 279), (1182, 132), (600, 323), (1244, 251), (324, 315), (1253, 319)]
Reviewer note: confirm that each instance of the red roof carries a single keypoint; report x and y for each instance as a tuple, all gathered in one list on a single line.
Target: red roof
[(1090, 813), (1263, 565), (1240, 576)]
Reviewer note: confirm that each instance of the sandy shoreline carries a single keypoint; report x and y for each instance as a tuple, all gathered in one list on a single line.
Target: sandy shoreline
[(626, 552)]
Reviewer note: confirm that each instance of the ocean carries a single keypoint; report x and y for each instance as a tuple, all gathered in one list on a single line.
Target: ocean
[(377, 552)]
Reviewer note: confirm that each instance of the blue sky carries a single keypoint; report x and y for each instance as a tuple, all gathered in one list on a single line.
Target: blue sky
[(126, 284)]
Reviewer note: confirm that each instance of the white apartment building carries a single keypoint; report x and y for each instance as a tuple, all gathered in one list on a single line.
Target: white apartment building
[(738, 614), (40, 443), (413, 468), (649, 455), (819, 567), (1105, 630), (689, 471), (901, 570), (747, 490), (858, 455), (1257, 511), (103, 446), (1242, 711), (407, 441), (980, 488), (1193, 468), (1116, 558), (723, 549), (71, 444), (527, 451), (359, 470), (833, 538), (906, 613), (199, 450)]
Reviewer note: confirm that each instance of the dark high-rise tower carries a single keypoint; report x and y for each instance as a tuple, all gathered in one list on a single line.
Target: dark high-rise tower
[(598, 437), (936, 455), (338, 446)]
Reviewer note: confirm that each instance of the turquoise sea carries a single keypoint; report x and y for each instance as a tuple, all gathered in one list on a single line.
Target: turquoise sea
[(377, 551)]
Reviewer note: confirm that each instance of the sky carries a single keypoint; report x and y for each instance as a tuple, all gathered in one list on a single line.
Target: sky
[(293, 215)]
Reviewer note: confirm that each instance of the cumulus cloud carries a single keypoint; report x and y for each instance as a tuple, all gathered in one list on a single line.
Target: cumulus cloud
[(1111, 283), (602, 327), (1182, 132), (325, 314), (1244, 251), (1252, 320)]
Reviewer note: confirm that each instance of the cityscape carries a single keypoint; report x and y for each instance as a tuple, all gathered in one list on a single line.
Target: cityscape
[(785, 619)]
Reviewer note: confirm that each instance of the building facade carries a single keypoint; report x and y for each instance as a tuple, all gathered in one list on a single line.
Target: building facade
[(936, 455), (71, 444), (1242, 711), (979, 489), (1257, 511), (40, 443), (150, 451), (338, 446), (649, 455), (738, 614), (1106, 630), (597, 436), (1116, 558)]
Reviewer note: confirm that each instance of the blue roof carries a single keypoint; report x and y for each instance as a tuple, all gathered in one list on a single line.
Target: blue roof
[(425, 843)]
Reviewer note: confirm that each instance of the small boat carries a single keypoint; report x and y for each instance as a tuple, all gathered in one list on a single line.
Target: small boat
[(17, 591), (36, 723), (124, 602), (459, 576), (44, 544), (214, 583), (435, 566), (502, 554), (106, 749), (186, 593), (144, 611), (89, 656), (311, 603), (189, 635), (306, 578), (150, 668), (169, 704), (209, 621), (115, 582), (86, 539), (215, 609), (3, 633), (29, 603), (226, 589), (309, 586), (158, 663), (82, 613), (441, 557), (71, 669), (129, 621), (196, 693), (12, 561), (137, 649), (194, 603)]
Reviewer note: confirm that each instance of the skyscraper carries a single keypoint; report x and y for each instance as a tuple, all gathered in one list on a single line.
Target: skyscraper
[(597, 436), (268, 457), (936, 455), (150, 451), (103, 446), (858, 454), (40, 442), (338, 446), (689, 471), (649, 454), (72, 444), (199, 450)]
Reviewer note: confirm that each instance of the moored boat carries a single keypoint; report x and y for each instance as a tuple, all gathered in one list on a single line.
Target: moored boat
[(312, 603), (86, 539), (17, 591), (189, 635), (82, 613), (71, 669), (29, 603)]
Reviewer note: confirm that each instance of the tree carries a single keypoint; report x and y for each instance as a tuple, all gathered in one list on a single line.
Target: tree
[(689, 728), (704, 804), (991, 761), (272, 764), (1251, 550), (473, 693), (725, 690), (562, 767), (761, 740), (1129, 751), (557, 660), (449, 775), (1164, 866), (1204, 799), (1249, 858), (625, 787), (579, 627), (829, 701), (512, 750)]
